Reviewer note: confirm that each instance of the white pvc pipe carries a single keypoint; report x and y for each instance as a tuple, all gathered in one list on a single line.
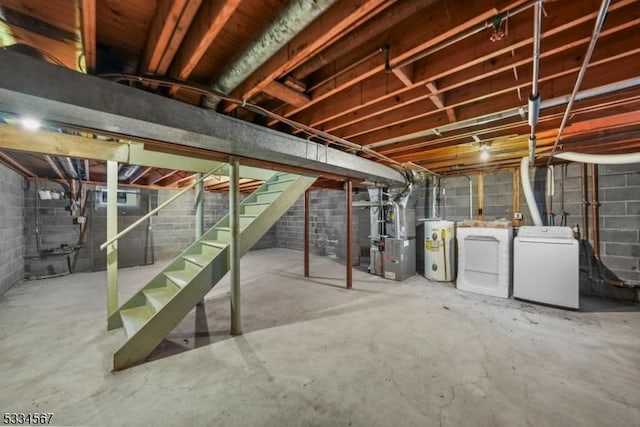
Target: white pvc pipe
[(600, 159), (528, 191)]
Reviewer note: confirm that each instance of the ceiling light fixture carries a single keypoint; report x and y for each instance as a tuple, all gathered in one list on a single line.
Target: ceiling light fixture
[(30, 123), (484, 152)]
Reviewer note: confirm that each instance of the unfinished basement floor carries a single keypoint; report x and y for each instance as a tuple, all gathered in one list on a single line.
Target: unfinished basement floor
[(313, 353)]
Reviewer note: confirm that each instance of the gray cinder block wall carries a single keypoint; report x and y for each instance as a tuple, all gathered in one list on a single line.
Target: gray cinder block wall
[(11, 225), (619, 196), (327, 226), (620, 219), (174, 226), (173, 230), (56, 229)]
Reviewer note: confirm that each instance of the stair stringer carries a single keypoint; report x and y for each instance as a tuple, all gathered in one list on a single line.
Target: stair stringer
[(147, 338)]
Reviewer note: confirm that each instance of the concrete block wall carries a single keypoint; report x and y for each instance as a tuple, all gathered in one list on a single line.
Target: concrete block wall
[(619, 194), (11, 225), (56, 229), (327, 226), (173, 230), (174, 226)]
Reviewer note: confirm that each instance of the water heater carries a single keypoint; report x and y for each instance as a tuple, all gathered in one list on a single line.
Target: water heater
[(439, 250)]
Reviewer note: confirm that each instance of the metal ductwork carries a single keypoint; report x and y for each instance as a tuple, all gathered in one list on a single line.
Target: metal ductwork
[(68, 167), (293, 19), (128, 172)]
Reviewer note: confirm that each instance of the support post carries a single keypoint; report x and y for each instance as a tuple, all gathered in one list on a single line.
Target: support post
[(480, 197), (199, 200), (349, 188), (584, 211), (307, 206), (595, 211), (112, 230), (516, 196), (234, 245)]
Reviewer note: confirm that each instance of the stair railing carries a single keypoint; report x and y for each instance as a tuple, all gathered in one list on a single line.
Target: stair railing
[(160, 207), (111, 243)]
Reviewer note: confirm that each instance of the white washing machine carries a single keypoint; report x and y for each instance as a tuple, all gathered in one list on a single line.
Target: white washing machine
[(439, 250), (547, 266), (484, 257)]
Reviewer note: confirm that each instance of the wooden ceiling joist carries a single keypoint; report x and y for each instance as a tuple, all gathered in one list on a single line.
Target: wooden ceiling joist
[(88, 30), (383, 96), (318, 35), (285, 93), (16, 165), (168, 28), (210, 21)]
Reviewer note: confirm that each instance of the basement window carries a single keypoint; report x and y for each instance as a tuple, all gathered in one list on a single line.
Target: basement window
[(126, 198)]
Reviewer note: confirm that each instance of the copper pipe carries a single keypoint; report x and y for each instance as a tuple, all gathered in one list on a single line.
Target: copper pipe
[(349, 189), (595, 207), (307, 203), (585, 202)]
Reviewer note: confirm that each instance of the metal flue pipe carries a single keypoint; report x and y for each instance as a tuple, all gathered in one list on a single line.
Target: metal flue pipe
[(68, 167), (583, 69), (534, 99)]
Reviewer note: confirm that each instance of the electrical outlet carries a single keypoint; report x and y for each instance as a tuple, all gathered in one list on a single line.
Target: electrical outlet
[(80, 220), (517, 216)]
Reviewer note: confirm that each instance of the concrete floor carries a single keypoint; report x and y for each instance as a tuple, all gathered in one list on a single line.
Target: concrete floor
[(313, 353)]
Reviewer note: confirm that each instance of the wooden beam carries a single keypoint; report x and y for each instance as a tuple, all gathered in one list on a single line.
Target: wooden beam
[(470, 101), (60, 144), (88, 29), (383, 95), (54, 167), (379, 24), (170, 23), (405, 74), (140, 175), (436, 97), (451, 115), (211, 18), (406, 44), (166, 175), (285, 93), (318, 35), (15, 164), (87, 170)]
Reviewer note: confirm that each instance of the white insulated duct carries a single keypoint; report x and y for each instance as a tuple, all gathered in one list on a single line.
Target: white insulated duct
[(599, 159), (528, 192), (293, 19)]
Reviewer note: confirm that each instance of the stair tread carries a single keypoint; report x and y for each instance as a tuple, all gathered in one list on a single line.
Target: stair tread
[(215, 243), (199, 259), (269, 191), (158, 297), (179, 277), (255, 203), (135, 318)]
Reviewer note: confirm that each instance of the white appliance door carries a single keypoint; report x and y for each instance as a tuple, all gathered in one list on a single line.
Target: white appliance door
[(547, 271), (481, 262)]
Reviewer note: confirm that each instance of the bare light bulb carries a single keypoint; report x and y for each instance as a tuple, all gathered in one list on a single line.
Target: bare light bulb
[(484, 155), (30, 123)]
